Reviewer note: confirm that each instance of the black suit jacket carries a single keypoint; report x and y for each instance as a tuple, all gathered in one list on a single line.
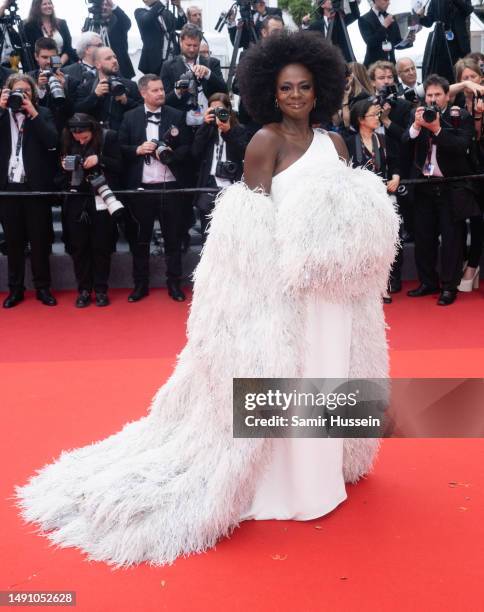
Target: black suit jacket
[(204, 144), (132, 133), (453, 145), (374, 34), (246, 39), (78, 72), (33, 32), (151, 59), (105, 108), (454, 14), (172, 71), (118, 27), (38, 149), (336, 29)]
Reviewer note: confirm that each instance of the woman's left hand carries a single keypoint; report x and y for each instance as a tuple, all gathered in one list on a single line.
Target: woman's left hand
[(392, 185), (91, 161)]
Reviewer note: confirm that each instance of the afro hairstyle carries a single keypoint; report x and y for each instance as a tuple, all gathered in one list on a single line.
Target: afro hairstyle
[(261, 64)]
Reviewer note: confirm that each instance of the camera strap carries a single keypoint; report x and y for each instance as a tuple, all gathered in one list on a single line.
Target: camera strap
[(17, 171), (219, 147)]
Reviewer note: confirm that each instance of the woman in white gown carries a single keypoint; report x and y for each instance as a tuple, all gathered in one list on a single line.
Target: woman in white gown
[(288, 285)]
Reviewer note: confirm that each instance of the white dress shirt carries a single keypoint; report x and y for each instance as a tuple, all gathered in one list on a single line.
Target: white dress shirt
[(155, 171)]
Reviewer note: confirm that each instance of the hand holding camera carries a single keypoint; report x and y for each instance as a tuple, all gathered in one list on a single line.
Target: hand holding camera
[(147, 148), (90, 162), (427, 117), (102, 89), (200, 72), (4, 98)]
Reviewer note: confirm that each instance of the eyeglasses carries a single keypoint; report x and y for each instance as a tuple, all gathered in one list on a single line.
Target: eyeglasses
[(96, 45), (378, 114)]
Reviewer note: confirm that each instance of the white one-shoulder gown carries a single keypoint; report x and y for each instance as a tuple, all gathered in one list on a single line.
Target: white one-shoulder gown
[(304, 477)]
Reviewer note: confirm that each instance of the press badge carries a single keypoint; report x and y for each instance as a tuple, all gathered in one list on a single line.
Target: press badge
[(386, 46), (16, 174)]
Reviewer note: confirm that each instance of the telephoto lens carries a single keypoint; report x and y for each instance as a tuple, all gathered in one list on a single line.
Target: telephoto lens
[(15, 100), (102, 189), (56, 90)]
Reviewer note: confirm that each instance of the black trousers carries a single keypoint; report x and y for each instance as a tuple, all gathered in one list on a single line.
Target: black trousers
[(170, 210), (434, 217), (27, 220), (90, 236)]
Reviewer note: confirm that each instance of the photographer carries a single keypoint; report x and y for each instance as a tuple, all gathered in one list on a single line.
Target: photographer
[(190, 79), (42, 23), (407, 73), (369, 149), (28, 139), (441, 138), (107, 96), (327, 23), (84, 70), (157, 26), (55, 90), (8, 36), (257, 15), (468, 73), (156, 147), (380, 32), (118, 25), (88, 154), (219, 146)]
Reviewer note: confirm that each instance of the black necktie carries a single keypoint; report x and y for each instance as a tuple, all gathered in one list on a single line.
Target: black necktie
[(382, 14)]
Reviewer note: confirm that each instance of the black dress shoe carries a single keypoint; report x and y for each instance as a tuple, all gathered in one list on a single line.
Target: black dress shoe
[(138, 293), (422, 290), (83, 299), (394, 286), (447, 297), (102, 299), (387, 299), (13, 298), (174, 291), (46, 297)]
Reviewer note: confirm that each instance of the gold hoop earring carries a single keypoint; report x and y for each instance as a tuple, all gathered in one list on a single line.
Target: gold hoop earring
[(314, 103), (276, 103)]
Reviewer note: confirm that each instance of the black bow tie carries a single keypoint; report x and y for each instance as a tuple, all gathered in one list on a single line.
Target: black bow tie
[(382, 14), (155, 115)]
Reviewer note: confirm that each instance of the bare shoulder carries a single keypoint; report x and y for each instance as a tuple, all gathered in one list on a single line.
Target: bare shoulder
[(261, 156), (266, 140), (339, 145)]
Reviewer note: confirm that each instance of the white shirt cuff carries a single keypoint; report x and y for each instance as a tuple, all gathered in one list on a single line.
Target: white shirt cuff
[(413, 132)]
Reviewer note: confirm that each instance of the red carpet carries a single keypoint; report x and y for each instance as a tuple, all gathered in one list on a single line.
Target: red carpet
[(409, 538)]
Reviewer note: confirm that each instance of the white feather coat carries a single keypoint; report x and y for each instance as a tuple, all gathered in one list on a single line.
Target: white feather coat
[(175, 482)]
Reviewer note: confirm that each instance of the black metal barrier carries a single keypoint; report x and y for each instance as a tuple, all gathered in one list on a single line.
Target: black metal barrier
[(194, 190)]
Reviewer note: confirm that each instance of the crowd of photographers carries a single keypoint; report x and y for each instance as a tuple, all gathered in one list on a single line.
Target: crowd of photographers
[(77, 122)]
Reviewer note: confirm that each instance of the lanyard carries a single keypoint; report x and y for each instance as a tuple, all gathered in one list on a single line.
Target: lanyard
[(20, 136), (219, 148)]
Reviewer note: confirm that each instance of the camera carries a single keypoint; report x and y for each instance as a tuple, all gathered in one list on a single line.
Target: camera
[(102, 189), (387, 95), (164, 146), (116, 87), (72, 163), (430, 113), (226, 170), (15, 100), (222, 114), (189, 85)]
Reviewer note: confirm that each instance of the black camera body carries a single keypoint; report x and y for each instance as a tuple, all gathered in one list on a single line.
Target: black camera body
[(165, 146), (222, 114), (430, 113), (116, 86), (188, 84), (387, 95), (226, 170), (15, 100)]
